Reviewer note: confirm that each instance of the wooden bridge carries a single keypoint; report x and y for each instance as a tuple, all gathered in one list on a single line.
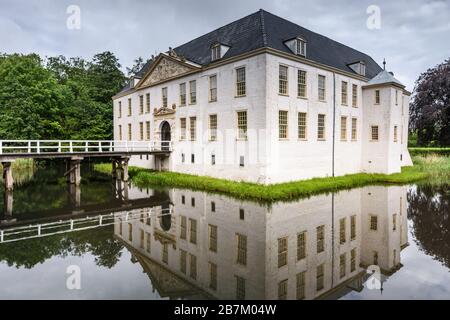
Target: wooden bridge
[(75, 151)]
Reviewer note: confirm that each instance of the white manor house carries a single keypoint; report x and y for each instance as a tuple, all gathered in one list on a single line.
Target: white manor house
[(265, 100)]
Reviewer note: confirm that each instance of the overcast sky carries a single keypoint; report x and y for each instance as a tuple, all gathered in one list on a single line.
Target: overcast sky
[(413, 36)]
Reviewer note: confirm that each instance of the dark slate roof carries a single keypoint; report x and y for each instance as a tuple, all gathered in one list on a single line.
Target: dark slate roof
[(264, 29)]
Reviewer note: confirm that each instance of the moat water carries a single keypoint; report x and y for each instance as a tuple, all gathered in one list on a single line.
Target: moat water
[(111, 240)]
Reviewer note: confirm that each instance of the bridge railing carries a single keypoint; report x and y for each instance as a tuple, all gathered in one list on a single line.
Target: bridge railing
[(10, 147)]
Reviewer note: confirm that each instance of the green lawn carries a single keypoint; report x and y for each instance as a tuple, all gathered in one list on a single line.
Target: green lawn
[(429, 169)]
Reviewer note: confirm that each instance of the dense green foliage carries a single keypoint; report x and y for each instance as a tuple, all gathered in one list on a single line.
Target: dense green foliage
[(60, 99), (432, 167)]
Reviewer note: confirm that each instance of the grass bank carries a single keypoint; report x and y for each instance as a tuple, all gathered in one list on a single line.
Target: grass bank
[(429, 151), (426, 168)]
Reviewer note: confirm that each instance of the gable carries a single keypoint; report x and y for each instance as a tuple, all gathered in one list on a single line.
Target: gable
[(165, 68)]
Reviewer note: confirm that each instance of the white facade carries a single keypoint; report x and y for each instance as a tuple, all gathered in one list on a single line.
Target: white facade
[(268, 271), (264, 157)]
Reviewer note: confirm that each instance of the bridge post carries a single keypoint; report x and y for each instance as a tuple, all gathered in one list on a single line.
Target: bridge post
[(125, 161), (114, 169), (7, 175), (75, 170), (8, 203)]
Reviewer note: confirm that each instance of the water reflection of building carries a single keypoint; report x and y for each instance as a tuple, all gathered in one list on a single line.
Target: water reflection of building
[(210, 246)]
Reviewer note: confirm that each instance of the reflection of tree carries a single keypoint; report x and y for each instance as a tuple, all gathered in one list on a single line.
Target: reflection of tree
[(429, 209), (98, 242)]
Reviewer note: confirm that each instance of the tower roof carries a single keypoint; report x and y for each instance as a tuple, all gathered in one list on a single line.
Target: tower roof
[(384, 77)]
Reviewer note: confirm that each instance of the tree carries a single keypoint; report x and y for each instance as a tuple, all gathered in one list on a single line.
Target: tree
[(138, 64), (430, 107)]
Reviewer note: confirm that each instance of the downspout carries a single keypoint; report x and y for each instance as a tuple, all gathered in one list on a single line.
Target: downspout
[(334, 124)]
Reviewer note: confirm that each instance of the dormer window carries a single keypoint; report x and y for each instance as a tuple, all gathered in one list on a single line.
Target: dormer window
[(300, 47), (359, 67), (215, 52)]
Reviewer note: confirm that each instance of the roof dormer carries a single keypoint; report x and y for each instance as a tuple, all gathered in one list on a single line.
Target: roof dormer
[(218, 50), (359, 67), (297, 46)]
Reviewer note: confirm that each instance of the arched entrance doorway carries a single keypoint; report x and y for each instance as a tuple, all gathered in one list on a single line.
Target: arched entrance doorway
[(165, 135)]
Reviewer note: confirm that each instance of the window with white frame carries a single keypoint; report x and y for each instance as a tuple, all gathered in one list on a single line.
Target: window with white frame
[(344, 93), (354, 129), (343, 128), (321, 127), (242, 124), (147, 124), (193, 127), (120, 109), (395, 133), (182, 94), (354, 95), (215, 52), (321, 87), (240, 82), (374, 133), (182, 128), (283, 80), (213, 127), (141, 131), (282, 124), (377, 96), (129, 107), (302, 125), (300, 47), (301, 83), (141, 104), (213, 88), (120, 132), (147, 103), (130, 135), (192, 92)]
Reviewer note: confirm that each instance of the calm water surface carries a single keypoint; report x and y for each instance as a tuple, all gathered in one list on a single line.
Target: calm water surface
[(132, 243)]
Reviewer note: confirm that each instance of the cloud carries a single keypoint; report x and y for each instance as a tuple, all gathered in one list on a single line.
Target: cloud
[(412, 37)]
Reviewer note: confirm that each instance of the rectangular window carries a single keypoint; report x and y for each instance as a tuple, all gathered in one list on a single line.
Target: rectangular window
[(301, 83), (215, 52), (147, 96), (193, 128), (377, 96), (282, 290), (343, 128), (301, 245), (213, 206), (319, 277), (130, 232), (120, 109), (164, 97), (396, 97), (183, 258), (213, 88), (373, 223), (182, 128), (342, 232), (342, 265), (395, 134), (283, 80), (193, 92), (354, 96), (282, 251), (182, 94), (212, 276), (302, 125), (120, 132), (353, 260), (344, 93), (353, 227), (193, 266), (193, 231), (374, 133), (212, 238), (241, 161), (354, 129), (130, 135), (192, 158), (241, 254), (240, 288), (213, 159), (240, 82), (320, 231), (213, 127), (321, 87), (241, 214), (321, 127), (242, 124), (141, 238), (300, 294), (141, 131), (129, 106), (183, 227), (149, 243), (141, 104), (147, 130), (282, 124)]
